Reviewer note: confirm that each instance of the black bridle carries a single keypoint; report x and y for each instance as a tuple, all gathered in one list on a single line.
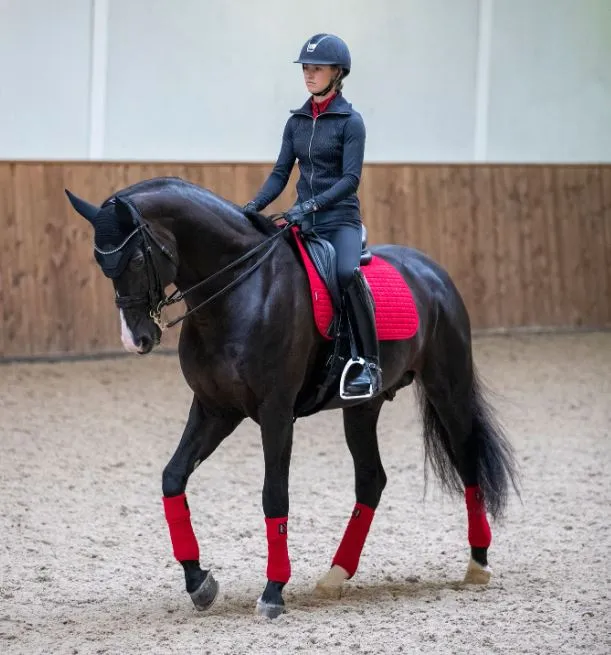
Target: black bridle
[(155, 293), (155, 298)]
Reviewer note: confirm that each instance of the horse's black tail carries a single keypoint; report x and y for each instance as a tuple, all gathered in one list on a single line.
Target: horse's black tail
[(496, 466)]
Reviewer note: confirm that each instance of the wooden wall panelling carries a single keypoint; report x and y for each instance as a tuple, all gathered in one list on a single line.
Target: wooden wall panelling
[(526, 245)]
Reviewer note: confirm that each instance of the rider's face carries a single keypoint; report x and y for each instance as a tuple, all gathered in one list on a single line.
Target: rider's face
[(318, 77)]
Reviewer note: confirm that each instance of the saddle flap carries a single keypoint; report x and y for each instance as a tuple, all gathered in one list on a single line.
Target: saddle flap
[(323, 256)]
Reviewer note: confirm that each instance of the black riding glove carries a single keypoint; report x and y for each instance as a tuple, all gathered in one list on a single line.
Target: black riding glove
[(297, 214), (250, 207)]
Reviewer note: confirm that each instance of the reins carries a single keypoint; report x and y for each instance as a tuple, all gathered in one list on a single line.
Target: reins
[(176, 296)]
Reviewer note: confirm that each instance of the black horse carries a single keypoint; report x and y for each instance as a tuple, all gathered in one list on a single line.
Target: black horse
[(249, 348)]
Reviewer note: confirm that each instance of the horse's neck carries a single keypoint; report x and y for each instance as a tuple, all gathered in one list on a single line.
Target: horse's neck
[(208, 237)]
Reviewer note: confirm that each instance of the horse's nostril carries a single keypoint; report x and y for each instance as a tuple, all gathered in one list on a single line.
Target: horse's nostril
[(145, 344)]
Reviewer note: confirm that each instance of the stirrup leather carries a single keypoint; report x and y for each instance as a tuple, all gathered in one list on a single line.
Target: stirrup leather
[(342, 383)]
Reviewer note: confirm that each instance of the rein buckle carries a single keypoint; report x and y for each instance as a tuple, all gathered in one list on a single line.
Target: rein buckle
[(155, 314)]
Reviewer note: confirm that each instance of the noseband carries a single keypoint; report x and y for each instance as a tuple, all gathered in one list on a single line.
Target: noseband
[(155, 299)]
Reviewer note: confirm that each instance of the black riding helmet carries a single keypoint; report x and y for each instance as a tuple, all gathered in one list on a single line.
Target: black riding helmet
[(326, 49)]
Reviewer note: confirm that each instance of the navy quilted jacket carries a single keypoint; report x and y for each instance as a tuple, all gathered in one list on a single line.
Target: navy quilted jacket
[(329, 150)]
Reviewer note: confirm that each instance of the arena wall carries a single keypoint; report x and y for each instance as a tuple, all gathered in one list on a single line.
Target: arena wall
[(528, 246)]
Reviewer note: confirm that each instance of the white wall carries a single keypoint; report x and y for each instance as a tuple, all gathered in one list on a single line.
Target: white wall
[(550, 81), (45, 57), (215, 79), (212, 80)]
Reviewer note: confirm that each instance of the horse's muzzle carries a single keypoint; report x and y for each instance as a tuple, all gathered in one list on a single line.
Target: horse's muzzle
[(145, 346)]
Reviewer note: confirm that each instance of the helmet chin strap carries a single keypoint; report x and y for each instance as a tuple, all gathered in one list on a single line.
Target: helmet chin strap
[(325, 90), (329, 86)]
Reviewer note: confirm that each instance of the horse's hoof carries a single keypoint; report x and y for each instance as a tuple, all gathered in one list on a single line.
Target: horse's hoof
[(332, 583), (204, 596), (477, 574), (269, 610), (328, 591)]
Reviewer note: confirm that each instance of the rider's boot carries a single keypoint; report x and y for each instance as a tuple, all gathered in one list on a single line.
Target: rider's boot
[(362, 376)]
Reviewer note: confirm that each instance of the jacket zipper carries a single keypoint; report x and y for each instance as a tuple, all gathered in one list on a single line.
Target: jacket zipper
[(310, 157), (327, 113)]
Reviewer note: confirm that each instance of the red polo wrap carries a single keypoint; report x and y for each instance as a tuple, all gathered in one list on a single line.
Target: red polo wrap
[(349, 552), (178, 517), (278, 563), (479, 530)]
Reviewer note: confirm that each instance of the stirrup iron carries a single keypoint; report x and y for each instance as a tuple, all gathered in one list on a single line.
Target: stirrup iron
[(358, 361)]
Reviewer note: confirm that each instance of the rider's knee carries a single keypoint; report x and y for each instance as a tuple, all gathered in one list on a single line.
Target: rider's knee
[(344, 276)]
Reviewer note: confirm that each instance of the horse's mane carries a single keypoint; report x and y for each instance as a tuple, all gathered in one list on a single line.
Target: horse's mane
[(184, 188)]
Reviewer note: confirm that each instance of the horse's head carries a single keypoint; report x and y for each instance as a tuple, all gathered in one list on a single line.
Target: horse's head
[(139, 259)]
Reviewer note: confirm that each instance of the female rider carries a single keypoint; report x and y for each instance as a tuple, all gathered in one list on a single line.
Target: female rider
[(327, 137)]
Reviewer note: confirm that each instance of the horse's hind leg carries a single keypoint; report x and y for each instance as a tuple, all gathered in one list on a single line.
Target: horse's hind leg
[(449, 420), (201, 436), (360, 423), (466, 447)]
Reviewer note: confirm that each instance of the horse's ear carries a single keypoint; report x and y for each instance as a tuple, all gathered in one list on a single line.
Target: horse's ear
[(84, 208), (126, 211)]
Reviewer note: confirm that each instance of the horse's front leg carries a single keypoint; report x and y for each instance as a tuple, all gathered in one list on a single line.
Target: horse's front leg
[(360, 426), (202, 434), (277, 434)]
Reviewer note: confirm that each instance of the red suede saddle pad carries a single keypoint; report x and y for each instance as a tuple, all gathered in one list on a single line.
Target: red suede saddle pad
[(396, 313)]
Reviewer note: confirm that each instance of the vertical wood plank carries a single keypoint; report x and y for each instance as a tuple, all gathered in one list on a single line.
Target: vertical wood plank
[(428, 187), (571, 235), (10, 307), (605, 236), (485, 219), (593, 257), (412, 234), (524, 299), (33, 324), (380, 210), (459, 238), (508, 246), (548, 264)]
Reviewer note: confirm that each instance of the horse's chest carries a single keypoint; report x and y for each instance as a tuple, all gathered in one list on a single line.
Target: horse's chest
[(217, 375)]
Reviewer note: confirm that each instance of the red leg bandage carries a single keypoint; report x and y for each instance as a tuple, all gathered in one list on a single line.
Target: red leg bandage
[(278, 563), (178, 516), (349, 552), (479, 530)]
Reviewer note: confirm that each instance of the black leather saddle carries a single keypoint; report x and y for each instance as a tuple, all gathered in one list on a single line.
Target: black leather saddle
[(322, 254)]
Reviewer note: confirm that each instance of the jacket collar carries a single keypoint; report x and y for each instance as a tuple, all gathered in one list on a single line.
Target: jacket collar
[(339, 105)]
